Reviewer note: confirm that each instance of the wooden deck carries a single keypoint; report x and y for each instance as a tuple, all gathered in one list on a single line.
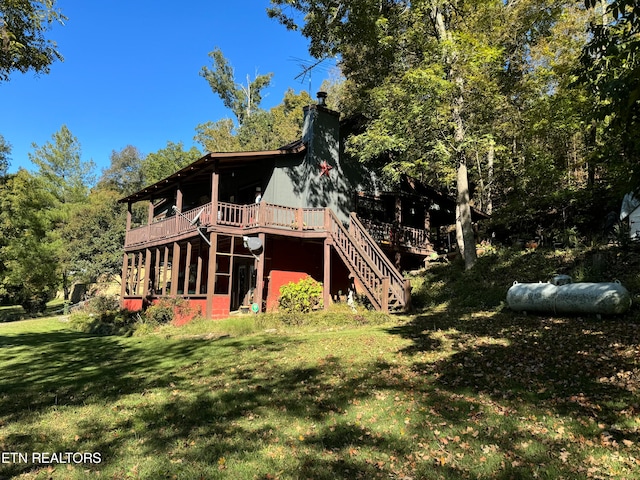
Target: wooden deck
[(229, 217), (379, 279)]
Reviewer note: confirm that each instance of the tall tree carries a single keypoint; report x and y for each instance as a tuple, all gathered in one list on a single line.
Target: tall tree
[(23, 45), (59, 163), (28, 256), (5, 152), (67, 178), (242, 100), (124, 174), (264, 130), (611, 71), (94, 235)]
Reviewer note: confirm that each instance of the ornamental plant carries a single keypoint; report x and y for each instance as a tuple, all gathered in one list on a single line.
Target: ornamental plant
[(301, 297)]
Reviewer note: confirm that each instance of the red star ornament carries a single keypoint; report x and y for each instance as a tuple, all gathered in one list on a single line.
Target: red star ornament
[(325, 168)]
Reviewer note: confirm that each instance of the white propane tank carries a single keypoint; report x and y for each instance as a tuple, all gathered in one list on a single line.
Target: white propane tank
[(598, 298)]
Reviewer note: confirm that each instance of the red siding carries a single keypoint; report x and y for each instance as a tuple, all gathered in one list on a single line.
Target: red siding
[(132, 304), (221, 306)]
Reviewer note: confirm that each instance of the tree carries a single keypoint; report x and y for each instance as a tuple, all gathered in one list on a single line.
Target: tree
[(124, 174), (94, 235), (167, 161), (28, 256), (59, 164), (23, 46), (264, 130), (5, 152), (242, 100), (611, 71), (66, 178)]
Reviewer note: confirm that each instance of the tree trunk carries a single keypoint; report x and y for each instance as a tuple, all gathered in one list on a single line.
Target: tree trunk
[(466, 237), (490, 157), (464, 228)]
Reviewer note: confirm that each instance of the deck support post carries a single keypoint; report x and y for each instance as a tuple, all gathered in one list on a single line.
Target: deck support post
[(259, 291), (326, 286), (187, 269), (211, 273), (175, 269), (125, 278)]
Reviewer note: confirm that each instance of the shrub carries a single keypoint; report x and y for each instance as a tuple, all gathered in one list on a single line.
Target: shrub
[(301, 297), (160, 313)]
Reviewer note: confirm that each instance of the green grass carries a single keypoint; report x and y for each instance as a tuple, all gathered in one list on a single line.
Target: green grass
[(449, 392)]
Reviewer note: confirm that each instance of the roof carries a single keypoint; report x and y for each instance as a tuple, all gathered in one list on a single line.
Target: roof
[(206, 164)]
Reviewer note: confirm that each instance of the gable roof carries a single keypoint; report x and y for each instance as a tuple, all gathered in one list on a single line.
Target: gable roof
[(205, 165)]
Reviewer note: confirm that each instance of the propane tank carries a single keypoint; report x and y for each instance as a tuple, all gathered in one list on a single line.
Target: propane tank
[(597, 298)]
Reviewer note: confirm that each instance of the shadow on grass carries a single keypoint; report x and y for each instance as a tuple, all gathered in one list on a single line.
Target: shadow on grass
[(193, 402)]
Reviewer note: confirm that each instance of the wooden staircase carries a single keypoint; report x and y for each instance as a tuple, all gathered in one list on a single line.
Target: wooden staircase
[(381, 282)]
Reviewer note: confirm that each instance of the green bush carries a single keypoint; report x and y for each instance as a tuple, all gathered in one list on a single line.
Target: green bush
[(111, 322), (160, 313), (301, 297)]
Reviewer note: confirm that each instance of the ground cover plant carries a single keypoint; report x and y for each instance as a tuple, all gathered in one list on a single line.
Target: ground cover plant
[(451, 391)]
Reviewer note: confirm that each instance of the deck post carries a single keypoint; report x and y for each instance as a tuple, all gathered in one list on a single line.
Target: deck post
[(384, 301), (215, 180), (326, 290), (257, 296), (125, 278), (187, 269), (165, 270), (175, 269), (147, 273), (136, 288), (299, 218), (211, 273)]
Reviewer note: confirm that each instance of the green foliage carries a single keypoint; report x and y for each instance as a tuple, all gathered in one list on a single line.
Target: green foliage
[(94, 235), (242, 100), (125, 174), (60, 166), (5, 152), (23, 46), (160, 313), (167, 161), (28, 256), (263, 130), (103, 316), (301, 297)]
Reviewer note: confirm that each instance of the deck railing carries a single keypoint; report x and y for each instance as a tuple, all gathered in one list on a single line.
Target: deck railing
[(229, 215), (390, 234), (368, 244)]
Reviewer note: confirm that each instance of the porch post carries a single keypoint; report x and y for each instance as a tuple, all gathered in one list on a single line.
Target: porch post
[(125, 278), (326, 290), (128, 216), (199, 269), (150, 213), (165, 269), (211, 273), (257, 296), (175, 268), (147, 272), (179, 198), (136, 287), (187, 269), (214, 194)]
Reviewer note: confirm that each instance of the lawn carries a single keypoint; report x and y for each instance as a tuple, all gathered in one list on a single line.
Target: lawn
[(450, 392)]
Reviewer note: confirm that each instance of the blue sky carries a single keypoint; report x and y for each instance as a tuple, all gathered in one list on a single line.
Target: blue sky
[(130, 74)]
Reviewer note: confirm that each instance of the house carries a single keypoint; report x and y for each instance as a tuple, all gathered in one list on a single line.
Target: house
[(411, 222), (228, 230)]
